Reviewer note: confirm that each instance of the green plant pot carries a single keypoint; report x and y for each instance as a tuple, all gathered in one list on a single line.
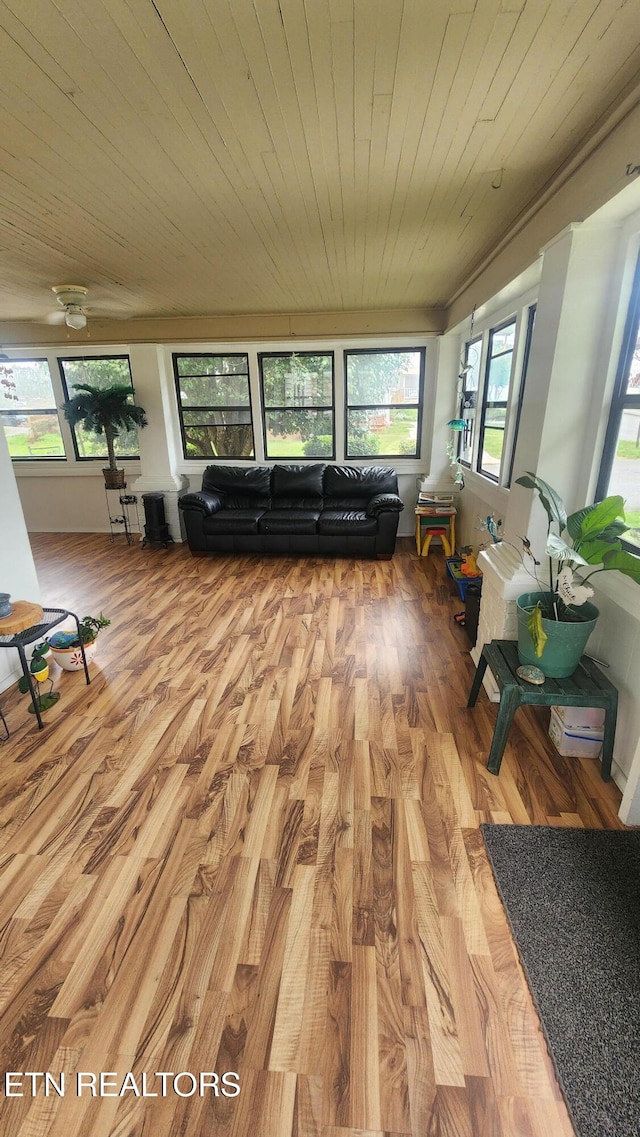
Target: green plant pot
[(566, 640)]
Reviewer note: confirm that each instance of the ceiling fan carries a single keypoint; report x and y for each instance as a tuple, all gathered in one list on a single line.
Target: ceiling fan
[(70, 297)]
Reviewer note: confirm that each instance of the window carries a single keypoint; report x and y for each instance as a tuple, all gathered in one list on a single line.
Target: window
[(495, 397), (491, 386), (297, 399), (28, 410), (384, 402), (620, 468), (531, 320), (98, 371), (215, 405), (469, 397)]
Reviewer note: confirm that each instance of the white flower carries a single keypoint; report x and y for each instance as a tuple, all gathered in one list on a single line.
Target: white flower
[(572, 593)]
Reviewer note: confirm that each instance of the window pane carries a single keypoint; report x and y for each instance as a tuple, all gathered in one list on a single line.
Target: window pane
[(498, 378), (212, 364), (503, 339), (94, 446), (30, 420), (297, 380), (215, 391), (299, 434), (218, 385), (495, 395), (228, 417), (33, 389), (384, 430), (492, 443), (383, 377), (219, 440), (33, 436), (471, 381), (633, 380), (625, 472), (101, 372)]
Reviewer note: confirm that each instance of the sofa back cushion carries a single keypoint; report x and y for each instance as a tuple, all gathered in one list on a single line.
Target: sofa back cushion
[(239, 487), (297, 487), (353, 486)]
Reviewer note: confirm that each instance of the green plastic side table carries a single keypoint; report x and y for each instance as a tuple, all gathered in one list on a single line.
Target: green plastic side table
[(587, 687)]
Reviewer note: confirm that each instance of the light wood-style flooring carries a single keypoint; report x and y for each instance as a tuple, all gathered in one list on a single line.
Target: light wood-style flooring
[(252, 846)]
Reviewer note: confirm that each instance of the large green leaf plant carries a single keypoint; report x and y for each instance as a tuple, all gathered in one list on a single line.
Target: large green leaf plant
[(594, 533)]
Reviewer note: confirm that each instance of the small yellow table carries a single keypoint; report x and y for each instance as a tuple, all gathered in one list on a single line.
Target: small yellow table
[(441, 523)]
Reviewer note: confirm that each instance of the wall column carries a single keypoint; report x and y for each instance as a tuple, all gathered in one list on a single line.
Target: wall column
[(159, 447), (17, 568)]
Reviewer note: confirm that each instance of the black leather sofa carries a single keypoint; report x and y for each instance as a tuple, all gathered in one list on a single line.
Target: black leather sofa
[(310, 509)]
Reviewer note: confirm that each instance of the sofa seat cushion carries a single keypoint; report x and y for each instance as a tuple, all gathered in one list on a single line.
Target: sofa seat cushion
[(337, 522), (289, 521), (233, 521)]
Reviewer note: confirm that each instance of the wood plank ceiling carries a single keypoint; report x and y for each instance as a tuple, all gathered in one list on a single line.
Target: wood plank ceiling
[(203, 157)]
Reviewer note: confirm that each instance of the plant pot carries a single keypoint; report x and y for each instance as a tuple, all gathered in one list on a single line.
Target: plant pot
[(566, 639), (70, 658), (113, 479)]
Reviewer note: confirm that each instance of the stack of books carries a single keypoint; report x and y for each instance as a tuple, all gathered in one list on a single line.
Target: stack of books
[(435, 502)]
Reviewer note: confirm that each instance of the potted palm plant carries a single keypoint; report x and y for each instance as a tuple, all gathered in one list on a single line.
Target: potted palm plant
[(107, 411), (555, 623)]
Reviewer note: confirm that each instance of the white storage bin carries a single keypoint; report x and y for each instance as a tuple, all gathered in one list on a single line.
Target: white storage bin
[(581, 718), (574, 743)]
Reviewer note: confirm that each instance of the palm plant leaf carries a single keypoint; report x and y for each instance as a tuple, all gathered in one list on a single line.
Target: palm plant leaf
[(104, 410)]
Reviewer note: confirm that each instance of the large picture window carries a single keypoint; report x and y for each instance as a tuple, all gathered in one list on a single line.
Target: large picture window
[(28, 410), (214, 402), (620, 468), (297, 400), (384, 402), (99, 371)]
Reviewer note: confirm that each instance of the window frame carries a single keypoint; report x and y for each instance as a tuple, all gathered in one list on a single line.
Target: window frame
[(419, 406), (175, 355), (485, 403), (524, 369), (621, 399), (264, 408), (479, 339), (62, 359), (522, 312), (54, 410)]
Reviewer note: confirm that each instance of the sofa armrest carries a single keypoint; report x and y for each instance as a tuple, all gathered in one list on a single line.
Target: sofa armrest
[(202, 501), (384, 503)]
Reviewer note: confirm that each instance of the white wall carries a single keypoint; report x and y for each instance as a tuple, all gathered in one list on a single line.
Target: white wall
[(17, 568), (583, 298)]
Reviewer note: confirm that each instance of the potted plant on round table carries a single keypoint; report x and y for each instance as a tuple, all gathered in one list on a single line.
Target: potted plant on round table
[(65, 646), (108, 411), (554, 624)]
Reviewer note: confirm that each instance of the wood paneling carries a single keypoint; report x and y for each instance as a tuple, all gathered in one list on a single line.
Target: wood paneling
[(245, 848), (185, 159)]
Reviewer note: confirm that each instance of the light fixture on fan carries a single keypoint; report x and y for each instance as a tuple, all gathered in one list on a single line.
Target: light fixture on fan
[(70, 297)]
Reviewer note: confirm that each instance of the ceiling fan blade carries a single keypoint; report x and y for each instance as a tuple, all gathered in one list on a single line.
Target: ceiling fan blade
[(54, 318)]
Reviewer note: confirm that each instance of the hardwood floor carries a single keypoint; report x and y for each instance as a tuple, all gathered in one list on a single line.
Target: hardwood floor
[(251, 846)]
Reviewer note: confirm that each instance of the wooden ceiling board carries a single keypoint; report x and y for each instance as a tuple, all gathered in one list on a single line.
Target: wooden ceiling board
[(203, 157)]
